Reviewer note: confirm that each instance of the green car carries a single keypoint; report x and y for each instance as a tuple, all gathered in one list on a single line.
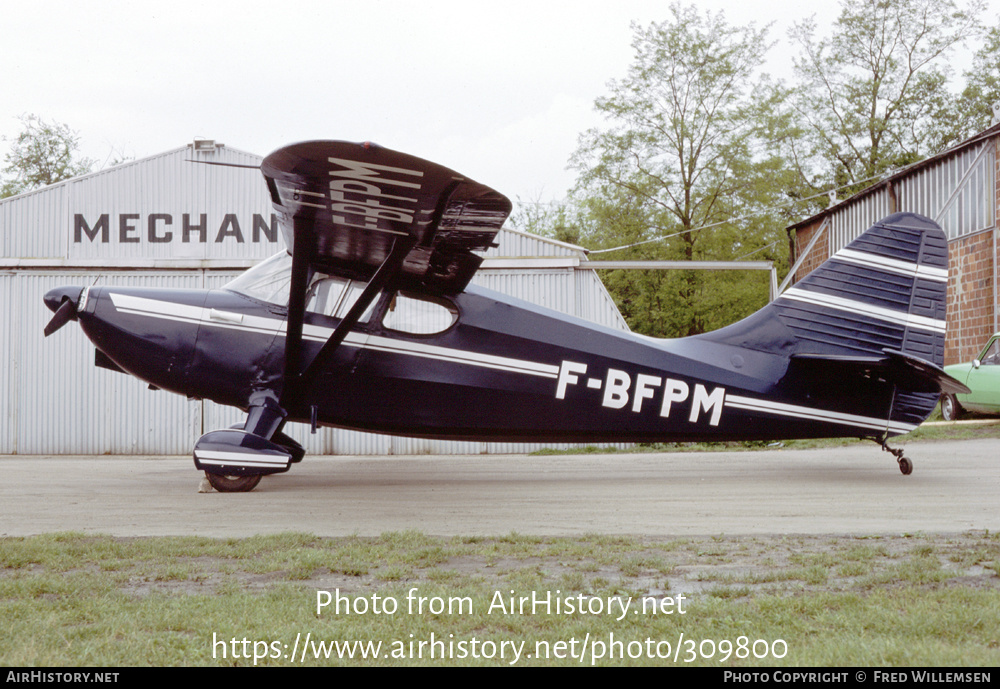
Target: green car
[(982, 375)]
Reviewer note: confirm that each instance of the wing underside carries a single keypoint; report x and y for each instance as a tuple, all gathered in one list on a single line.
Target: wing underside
[(344, 206)]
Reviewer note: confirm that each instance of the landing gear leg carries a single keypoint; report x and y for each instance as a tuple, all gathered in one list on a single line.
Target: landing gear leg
[(905, 465), (235, 459)]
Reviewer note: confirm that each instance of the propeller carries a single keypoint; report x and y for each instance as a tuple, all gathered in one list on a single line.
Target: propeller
[(62, 301)]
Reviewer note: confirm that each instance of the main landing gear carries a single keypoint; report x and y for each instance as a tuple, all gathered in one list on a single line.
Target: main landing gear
[(905, 465), (235, 459)]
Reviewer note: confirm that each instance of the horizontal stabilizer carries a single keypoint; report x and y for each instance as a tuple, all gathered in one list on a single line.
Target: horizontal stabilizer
[(909, 372), (914, 368)]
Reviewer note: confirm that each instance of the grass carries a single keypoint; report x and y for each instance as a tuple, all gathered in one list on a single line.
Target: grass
[(79, 600)]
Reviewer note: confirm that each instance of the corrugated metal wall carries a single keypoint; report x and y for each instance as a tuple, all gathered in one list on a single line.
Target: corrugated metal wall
[(64, 404), (970, 174), (8, 371), (57, 402), (963, 181)]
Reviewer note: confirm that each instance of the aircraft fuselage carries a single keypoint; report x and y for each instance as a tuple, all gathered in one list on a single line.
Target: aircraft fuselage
[(504, 370)]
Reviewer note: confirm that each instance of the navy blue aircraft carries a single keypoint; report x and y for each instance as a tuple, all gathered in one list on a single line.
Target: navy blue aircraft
[(368, 322)]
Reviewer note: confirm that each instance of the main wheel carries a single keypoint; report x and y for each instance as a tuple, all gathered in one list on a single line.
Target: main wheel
[(233, 484), (950, 409)]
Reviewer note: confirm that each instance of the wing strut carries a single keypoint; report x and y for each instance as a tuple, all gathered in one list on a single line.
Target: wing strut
[(385, 273), (294, 375), (301, 272)]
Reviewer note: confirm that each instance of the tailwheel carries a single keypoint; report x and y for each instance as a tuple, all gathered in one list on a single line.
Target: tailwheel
[(233, 484), (905, 465)]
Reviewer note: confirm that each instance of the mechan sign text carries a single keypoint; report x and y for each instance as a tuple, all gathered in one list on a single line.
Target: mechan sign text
[(163, 228)]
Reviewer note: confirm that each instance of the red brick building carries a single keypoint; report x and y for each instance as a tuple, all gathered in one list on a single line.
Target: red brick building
[(960, 190)]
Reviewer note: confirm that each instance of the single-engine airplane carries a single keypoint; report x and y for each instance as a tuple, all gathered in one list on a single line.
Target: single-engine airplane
[(368, 322)]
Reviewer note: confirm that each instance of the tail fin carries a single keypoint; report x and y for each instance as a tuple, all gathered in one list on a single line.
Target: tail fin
[(885, 290), (875, 311)]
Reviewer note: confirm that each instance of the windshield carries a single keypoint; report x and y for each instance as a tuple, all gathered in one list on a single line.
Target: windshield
[(332, 296), (267, 281)]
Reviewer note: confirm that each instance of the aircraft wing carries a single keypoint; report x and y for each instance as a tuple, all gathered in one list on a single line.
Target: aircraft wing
[(343, 207), (365, 212)]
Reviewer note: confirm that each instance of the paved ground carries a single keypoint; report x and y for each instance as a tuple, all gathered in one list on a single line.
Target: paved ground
[(852, 490)]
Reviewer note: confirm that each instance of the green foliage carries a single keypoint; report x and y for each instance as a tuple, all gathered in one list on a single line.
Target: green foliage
[(872, 95), (554, 220), (683, 171), (974, 108), (702, 157), (43, 153)]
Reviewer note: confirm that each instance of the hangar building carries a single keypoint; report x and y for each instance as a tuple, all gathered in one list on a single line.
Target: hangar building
[(960, 190), (166, 222)]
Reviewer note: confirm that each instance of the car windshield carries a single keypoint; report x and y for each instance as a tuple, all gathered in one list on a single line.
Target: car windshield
[(991, 357)]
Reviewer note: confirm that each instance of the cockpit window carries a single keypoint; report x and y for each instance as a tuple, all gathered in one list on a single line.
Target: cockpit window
[(419, 315), (326, 295), (334, 296), (267, 281)]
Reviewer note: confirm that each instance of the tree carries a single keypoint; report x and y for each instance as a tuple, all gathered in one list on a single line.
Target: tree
[(683, 155), (869, 96), (547, 219), (973, 110), (43, 153)]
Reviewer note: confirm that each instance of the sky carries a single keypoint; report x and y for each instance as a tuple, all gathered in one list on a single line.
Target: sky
[(499, 91)]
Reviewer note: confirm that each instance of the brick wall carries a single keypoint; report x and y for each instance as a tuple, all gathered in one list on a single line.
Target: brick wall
[(971, 270), (819, 253), (970, 296)]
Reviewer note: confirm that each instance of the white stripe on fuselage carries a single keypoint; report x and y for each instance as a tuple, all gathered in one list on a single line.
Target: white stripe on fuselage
[(196, 315), (797, 412)]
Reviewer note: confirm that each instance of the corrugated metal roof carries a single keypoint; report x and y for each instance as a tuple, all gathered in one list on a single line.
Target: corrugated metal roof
[(515, 243)]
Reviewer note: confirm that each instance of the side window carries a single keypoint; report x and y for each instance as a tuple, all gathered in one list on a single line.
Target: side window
[(418, 315), (991, 357), (334, 297)]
